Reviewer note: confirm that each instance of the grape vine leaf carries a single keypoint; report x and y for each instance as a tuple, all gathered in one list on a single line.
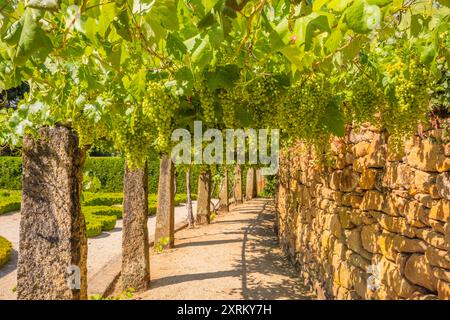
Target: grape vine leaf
[(183, 83), (318, 23), (12, 34), (362, 17), (32, 39), (175, 46), (222, 77)]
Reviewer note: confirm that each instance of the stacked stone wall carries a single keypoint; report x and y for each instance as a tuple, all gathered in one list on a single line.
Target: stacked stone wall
[(369, 223)]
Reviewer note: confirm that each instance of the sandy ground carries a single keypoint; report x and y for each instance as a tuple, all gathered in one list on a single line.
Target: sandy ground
[(235, 257), (101, 249)]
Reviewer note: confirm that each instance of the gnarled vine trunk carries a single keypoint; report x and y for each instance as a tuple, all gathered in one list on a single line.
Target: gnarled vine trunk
[(135, 248), (53, 244), (204, 197), (165, 217)]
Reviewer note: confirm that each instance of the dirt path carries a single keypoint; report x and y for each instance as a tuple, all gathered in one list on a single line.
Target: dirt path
[(101, 249), (236, 257)]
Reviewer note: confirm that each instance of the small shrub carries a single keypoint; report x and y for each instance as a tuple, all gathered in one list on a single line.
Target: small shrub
[(270, 188), (161, 244), (5, 251)]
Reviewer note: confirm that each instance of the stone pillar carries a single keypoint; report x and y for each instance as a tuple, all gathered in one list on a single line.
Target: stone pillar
[(135, 248), (237, 184), (224, 202), (165, 216), (53, 245), (250, 189), (204, 198), (260, 182)]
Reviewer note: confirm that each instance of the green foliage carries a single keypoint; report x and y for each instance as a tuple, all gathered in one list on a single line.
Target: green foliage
[(5, 250), (9, 205), (103, 211), (9, 201), (101, 199), (93, 228), (127, 72), (161, 244), (107, 222), (125, 295), (11, 173), (270, 187), (109, 170)]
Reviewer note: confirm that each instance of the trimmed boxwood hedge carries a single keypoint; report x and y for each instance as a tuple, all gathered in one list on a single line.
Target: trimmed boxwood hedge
[(103, 211), (99, 219), (93, 228), (101, 199), (108, 222), (11, 173), (5, 251), (109, 170), (9, 201)]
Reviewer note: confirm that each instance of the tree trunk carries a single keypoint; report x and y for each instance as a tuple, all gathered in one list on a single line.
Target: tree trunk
[(250, 189), (237, 184), (224, 202), (164, 233), (204, 197), (191, 220), (53, 244), (135, 248)]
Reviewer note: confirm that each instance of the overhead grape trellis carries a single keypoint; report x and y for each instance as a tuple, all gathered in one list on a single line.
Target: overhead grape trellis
[(114, 69)]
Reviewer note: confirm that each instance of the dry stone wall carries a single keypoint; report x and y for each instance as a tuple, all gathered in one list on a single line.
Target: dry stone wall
[(369, 223)]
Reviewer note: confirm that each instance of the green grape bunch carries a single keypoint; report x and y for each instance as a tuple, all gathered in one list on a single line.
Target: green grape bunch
[(365, 100), (305, 107), (161, 109), (411, 102), (207, 102)]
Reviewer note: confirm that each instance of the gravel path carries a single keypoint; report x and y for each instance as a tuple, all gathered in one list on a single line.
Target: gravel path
[(101, 249), (235, 257)]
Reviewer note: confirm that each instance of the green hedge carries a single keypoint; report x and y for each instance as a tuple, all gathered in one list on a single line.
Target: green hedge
[(5, 251), (101, 199), (93, 228), (11, 173), (108, 222), (103, 211), (100, 219), (109, 170), (9, 201)]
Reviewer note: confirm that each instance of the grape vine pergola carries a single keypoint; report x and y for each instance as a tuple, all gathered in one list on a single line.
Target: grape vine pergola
[(122, 74)]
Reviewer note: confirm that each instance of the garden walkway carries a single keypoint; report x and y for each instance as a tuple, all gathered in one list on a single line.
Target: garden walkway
[(101, 249), (235, 257)]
